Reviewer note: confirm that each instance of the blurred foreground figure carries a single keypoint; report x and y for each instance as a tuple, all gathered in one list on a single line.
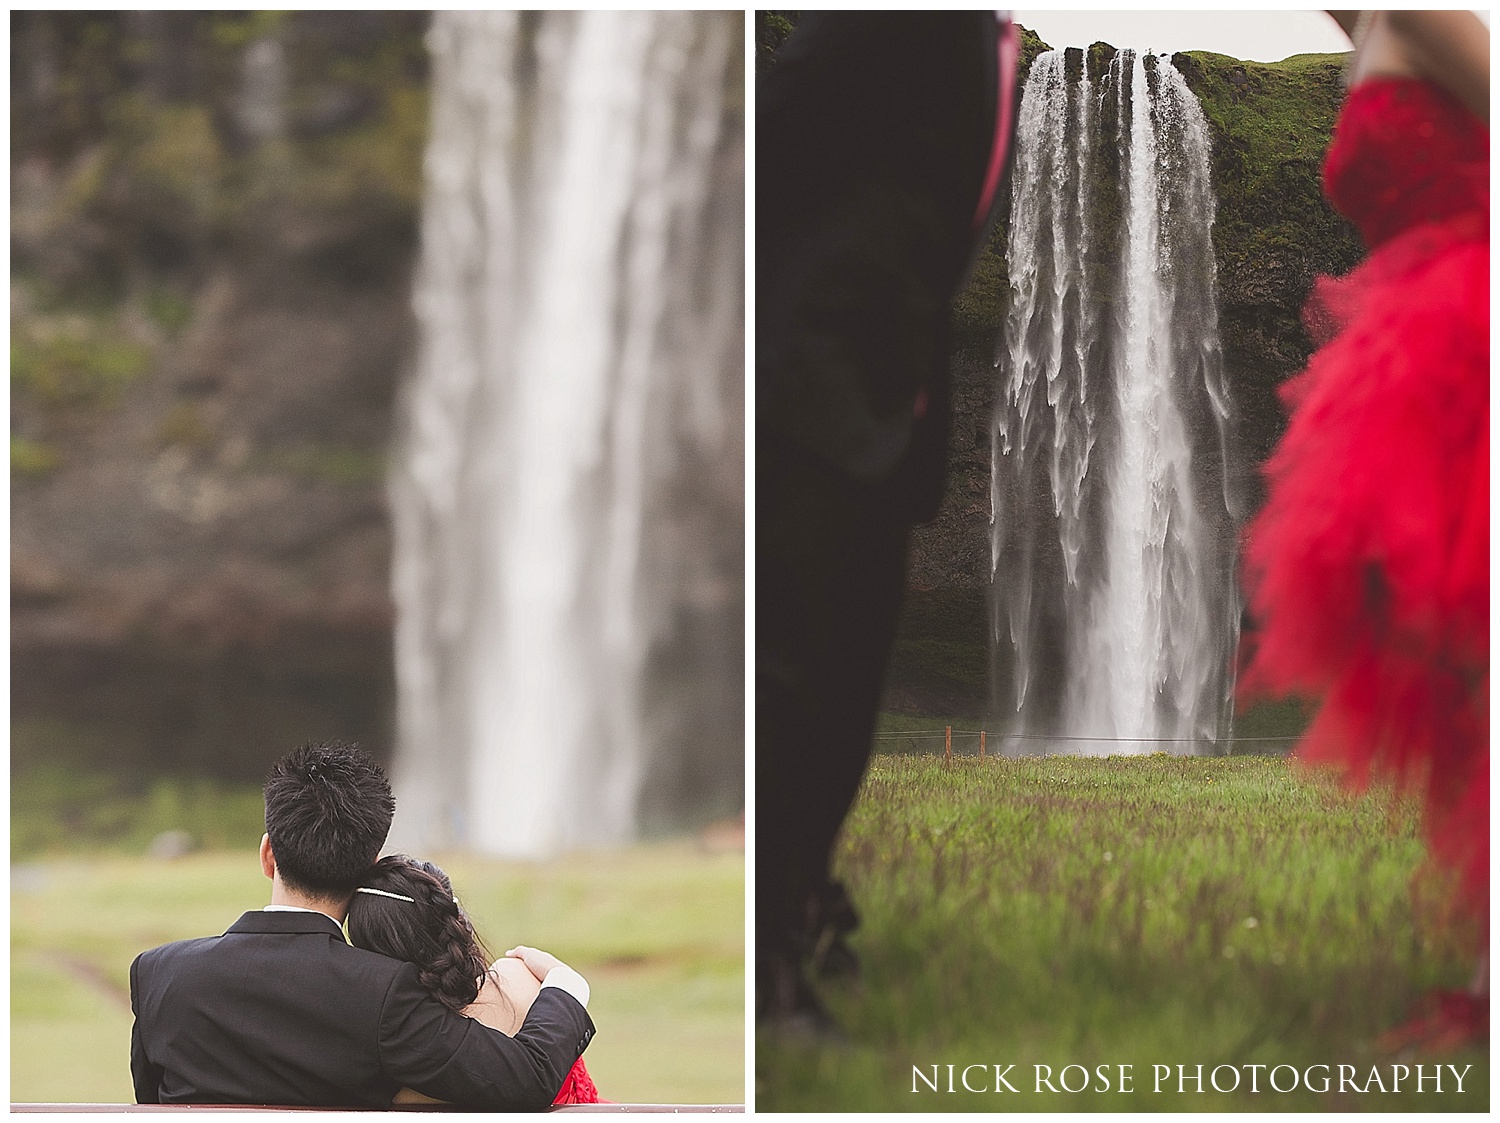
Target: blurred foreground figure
[(1368, 568), (881, 140)]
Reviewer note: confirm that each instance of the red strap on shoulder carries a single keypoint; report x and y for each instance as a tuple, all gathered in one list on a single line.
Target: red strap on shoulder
[(1008, 51)]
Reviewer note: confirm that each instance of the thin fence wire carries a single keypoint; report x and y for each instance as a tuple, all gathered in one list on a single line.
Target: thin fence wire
[(995, 742)]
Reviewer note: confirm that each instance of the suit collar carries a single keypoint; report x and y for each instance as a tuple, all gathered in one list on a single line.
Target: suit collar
[(285, 923)]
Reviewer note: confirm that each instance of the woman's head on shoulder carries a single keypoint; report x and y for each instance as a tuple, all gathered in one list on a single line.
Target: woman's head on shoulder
[(406, 908)]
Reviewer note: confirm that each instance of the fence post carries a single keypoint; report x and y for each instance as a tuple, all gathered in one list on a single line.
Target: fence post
[(981, 744), (948, 744)]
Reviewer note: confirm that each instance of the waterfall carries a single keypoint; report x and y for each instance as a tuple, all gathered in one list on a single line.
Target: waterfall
[(567, 489), (1113, 533)]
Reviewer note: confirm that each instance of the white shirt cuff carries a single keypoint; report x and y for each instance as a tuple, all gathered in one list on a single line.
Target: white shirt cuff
[(569, 980)]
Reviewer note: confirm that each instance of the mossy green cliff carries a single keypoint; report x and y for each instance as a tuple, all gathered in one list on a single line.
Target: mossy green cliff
[(213, 220)]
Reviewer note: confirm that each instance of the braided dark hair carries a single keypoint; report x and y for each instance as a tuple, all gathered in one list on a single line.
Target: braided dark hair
[(431, 931)]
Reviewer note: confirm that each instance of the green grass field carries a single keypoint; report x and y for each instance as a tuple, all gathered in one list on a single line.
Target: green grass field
[(1130, 911), (657, 929)]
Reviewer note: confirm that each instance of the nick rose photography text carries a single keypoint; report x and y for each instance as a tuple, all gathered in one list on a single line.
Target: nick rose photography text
[(1177, 1079)]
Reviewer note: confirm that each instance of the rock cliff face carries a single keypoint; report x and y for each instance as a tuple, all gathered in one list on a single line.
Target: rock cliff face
[(213, 224), (1274, 233)]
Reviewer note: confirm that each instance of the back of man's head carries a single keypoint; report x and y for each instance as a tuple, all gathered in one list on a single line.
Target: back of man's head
[(328, 810)]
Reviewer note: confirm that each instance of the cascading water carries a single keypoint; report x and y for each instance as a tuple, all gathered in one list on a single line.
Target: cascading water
[(1113, 538), (567, 493)]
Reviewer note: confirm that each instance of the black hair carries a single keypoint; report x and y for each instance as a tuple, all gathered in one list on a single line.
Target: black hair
[(431, 930), (328, 810)]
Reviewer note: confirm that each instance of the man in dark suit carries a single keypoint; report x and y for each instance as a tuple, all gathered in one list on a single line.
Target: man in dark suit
[(281, 1010), (881, 138)]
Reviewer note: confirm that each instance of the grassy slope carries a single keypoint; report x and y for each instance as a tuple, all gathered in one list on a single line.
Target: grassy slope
[(658, 930), (1123, 911), (1271, 124)]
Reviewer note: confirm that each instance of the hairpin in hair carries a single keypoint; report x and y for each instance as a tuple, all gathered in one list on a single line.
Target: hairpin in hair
[(383, 893)]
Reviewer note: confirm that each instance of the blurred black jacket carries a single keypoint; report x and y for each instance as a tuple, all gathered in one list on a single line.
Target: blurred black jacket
[(874, 134)]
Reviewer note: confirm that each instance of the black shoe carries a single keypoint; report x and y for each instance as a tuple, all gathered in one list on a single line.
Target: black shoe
[(786, 1004), (831, 920), (833, 958)]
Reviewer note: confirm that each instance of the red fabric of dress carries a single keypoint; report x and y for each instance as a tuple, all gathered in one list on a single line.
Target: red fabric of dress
[(1368, 568), (578, 1087)]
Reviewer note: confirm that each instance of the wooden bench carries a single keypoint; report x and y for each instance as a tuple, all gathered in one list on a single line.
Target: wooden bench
[(694, 1109)]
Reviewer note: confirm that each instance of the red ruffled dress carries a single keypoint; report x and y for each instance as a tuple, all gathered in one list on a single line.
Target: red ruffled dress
[(1368, 568), (578, 1087)]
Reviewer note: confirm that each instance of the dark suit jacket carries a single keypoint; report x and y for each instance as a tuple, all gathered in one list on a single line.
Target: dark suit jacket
[(873, 137), (281, 1010)]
